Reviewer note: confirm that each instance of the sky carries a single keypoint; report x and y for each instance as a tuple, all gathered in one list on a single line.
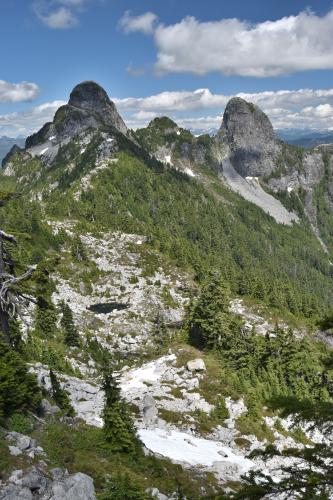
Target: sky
[(180, 58)]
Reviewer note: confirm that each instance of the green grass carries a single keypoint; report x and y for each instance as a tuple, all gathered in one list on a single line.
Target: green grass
[(83, 449)]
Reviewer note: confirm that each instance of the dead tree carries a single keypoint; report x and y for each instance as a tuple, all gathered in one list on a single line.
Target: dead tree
[(12, 300)]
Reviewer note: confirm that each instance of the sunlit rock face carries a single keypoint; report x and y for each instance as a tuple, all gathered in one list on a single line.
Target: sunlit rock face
[(251, 138)]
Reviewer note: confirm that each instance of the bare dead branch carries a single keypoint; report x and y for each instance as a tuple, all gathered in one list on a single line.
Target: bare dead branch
[(8, 237)]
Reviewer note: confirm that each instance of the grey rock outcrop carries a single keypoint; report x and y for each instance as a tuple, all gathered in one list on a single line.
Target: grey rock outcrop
[(250, 137), (89, 107), (33, 484), (196, 365)]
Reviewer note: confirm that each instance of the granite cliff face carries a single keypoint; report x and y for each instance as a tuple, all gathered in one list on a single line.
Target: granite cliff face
[(89, 107), (250, 137)]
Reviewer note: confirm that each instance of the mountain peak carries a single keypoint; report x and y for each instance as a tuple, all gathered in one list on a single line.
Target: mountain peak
[(89, 107), (90, 96), (250, 136)]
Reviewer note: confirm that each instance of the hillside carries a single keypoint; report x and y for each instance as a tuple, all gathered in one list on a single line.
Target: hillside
[(195, 269)]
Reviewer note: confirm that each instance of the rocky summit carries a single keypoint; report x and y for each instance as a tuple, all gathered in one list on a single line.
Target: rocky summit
[(250, 137), (89, 107), (165, 308)]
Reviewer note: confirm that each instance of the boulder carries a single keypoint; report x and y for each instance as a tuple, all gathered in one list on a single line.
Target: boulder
[(14, 450), (13, 492), (34, 485), (23, 442), (77, 486), (196, 365)]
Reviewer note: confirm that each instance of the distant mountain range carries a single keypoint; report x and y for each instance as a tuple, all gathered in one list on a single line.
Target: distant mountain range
[(306, 138), (6, 143)]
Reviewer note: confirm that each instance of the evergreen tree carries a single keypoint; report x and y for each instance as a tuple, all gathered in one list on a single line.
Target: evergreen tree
[(67, 324), (160, 330), (18, 388), (118, 424), (78, 251), (46, 314), (209, 323), (60, 396)]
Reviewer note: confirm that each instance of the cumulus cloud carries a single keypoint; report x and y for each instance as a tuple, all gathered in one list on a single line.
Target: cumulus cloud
[(303, 108), (235, 47), (61, 18), (144, 23), (26, 122), (59, 14), (198, 109), (16, 92), (204, 98)]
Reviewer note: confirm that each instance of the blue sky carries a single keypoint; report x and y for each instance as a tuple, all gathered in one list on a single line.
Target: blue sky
[(161, 54)]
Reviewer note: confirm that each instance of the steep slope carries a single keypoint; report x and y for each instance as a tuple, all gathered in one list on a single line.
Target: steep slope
[(107, 181), (6, 144), (126, 230)]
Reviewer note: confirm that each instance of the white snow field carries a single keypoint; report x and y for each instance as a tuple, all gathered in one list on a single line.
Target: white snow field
[(251, 190), (182, 447)]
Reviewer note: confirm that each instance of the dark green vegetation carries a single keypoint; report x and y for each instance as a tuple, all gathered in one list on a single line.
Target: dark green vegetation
[(314, 478), (118, 423), (261, 367), (18, 388), (199, 227), (83, 449)]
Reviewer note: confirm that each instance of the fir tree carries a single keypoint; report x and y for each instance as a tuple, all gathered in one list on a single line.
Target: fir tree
[(18, 388), (209, 323), (67, 324), (60, 396), (78, 251), (118, 424)]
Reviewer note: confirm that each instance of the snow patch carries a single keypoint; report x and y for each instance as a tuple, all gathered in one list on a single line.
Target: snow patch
[(183, 447), (43, 151), (150, 372), (52, 137), (189, 172)]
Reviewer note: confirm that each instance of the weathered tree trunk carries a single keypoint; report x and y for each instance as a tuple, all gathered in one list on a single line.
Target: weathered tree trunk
[(4, 318)]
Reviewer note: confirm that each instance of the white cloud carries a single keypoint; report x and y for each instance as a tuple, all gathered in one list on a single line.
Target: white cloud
[(144, 23), (198, 109), (204, 99), (59, 14), (303, 108), (235, 47), (72, 3), (16, 92), (61, 18), (26, 122)]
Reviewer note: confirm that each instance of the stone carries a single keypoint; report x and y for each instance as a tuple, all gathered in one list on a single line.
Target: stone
[(156, 494), (78, 486), (15, 476), (14, 492), (196, 365), (13, 450), (149, 411), (23, 442), (58, 473), (35, 481)]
